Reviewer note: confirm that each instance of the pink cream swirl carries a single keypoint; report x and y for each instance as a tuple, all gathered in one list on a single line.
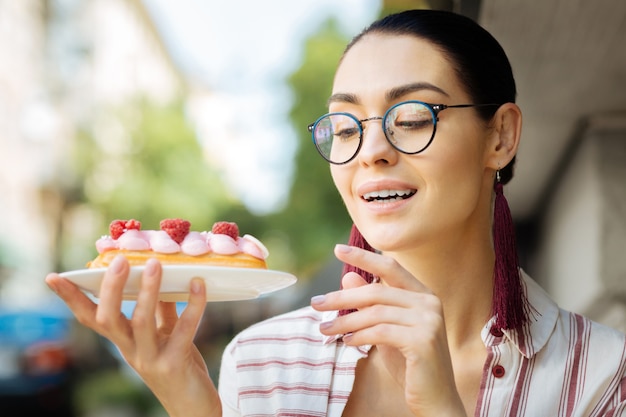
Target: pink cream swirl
[(194, 244)]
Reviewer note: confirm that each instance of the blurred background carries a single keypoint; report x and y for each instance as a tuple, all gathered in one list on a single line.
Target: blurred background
[(152, 109)]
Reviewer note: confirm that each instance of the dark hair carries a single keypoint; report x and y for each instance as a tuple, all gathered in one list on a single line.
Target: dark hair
[(478, 59)]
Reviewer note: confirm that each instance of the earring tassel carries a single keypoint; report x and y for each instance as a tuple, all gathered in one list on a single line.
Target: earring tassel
[(509, 301), (356, 239)]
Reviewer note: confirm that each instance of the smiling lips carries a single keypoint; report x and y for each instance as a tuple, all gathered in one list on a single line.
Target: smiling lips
[(388, 196)]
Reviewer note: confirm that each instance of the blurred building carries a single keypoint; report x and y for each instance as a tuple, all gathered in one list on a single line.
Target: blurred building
[(569, 192), (65, 62)]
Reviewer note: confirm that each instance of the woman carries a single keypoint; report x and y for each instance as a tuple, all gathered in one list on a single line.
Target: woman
[(437, 320)]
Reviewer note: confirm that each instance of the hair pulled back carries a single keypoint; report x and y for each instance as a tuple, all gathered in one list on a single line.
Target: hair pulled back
[(476, 56)]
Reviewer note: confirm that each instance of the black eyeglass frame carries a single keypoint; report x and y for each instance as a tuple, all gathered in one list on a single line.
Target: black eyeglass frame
[(435, 109)]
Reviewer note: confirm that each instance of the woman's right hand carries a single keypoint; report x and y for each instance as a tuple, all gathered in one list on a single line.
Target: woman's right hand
[(155, 342), (404, 320)]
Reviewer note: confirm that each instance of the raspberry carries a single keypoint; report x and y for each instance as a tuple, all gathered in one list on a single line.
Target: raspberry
[(133, 224), (226, 228), (116, 228), (176, 228)]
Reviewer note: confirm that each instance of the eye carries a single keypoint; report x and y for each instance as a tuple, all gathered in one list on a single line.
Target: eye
[(344, 128), (410, 117), (347, 133), (412, 124)]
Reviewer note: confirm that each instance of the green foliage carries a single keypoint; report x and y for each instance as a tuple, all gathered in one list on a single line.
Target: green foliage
[(396, 6), (314, 219), (151, 169), (116, 392)]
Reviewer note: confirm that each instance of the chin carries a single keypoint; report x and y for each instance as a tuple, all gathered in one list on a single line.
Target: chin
[(383, 241)]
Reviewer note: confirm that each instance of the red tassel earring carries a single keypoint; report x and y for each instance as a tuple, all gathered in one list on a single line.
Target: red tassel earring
[(357, 239), (509, 300)]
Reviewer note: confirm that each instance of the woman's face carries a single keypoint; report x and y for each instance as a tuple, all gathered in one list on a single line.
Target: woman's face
[(445, 189)]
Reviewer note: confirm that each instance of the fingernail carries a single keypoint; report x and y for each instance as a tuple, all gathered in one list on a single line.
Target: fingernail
[(346, 337), (151, 267), (326, 325), (318, 299), (52, 286), (342, 248), (118, 264), (195, 286)]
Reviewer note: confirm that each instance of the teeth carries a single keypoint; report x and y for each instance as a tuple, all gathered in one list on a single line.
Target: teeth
[(387, 194)]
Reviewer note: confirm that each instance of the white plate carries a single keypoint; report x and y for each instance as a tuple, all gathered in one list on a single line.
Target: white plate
[(222, 283)]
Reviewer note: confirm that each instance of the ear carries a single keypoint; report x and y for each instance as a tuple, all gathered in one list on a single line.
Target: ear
[(505, 136)]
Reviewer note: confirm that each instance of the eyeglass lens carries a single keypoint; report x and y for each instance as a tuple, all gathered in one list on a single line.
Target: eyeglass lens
[(408, 126)]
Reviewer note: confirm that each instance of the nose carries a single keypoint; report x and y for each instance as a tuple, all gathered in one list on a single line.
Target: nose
[(376, 149)]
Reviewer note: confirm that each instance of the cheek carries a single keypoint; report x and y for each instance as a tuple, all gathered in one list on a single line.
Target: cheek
[(455, 168), (459, 152), (462, 179), (341, 178)]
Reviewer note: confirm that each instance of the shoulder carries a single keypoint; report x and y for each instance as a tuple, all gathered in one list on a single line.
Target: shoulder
[(280, 365), (571, 358), (594, 358), (582, 332), (281, 348), (560, 330), (295, 330), (292, 324)]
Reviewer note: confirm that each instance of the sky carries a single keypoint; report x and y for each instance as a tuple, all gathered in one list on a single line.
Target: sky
[(242, 50)]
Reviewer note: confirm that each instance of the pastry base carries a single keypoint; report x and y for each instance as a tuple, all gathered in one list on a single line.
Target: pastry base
[(240, 260)]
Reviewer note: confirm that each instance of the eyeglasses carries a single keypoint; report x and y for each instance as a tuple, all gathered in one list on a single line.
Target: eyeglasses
[(409, 127)]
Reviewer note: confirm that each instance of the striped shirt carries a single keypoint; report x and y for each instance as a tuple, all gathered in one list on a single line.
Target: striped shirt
[(560, 364)]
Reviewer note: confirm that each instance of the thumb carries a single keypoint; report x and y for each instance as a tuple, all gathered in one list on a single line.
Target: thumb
[(352, 280)]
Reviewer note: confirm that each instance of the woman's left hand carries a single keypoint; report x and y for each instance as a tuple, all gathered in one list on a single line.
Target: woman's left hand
[(404, 320)]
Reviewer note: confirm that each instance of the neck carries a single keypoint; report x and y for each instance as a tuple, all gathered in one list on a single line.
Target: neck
[(461, 275)]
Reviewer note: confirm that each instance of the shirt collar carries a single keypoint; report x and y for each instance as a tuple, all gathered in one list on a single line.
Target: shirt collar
[(534, 335)]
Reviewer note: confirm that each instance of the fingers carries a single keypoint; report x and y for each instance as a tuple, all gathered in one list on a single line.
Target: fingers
[(185, 329), (150, 313), (384, 267), (382, 324), (143, 320), (154, 334), (397, 309), (111, 293), (105, 317), (357, 294), (381, 334), (409, 323), (81, 306), (367, 318), (372, 295), (352, 280), (167, 315), (86, 311)]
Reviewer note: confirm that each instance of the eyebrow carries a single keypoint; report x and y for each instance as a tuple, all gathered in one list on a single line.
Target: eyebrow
[(391, 95)]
